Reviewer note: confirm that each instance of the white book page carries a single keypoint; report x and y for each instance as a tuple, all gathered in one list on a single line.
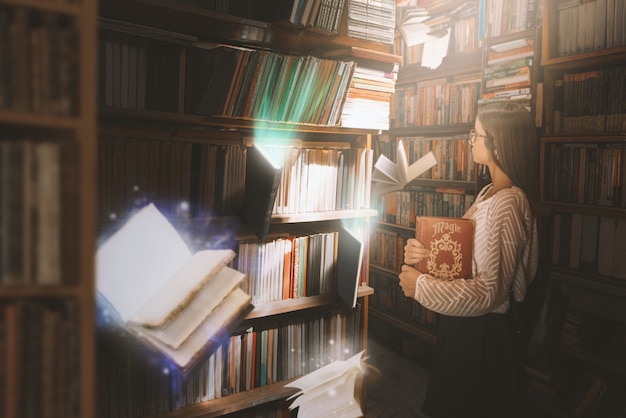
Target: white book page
[(199, 339), (426, 162), (403, 164), (206, 301), (133, 264), (385, 170), (176, 292)]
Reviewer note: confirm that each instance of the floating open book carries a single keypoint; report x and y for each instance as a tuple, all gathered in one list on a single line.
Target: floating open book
[(177, 302), (331, 391), (390, 177)]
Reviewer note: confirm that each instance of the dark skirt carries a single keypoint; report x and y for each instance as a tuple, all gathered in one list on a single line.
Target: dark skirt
[(475, 373)]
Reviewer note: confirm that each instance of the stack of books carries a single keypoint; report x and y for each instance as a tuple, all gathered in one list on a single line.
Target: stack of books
[(373, 20)]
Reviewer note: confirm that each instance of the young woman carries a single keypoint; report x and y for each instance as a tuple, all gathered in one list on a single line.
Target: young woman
[(475, 373)]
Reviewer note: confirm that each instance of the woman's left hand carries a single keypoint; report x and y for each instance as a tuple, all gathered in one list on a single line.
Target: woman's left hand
[(408, 278)]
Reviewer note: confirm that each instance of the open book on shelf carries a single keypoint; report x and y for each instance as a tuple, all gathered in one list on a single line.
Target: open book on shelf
[(178, 303), (451, 245), (390, 177), (331, 391)]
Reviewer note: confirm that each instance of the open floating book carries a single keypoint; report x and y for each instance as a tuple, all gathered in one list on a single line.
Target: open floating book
[(331, 391), (451, 245), (177, 302), (390, 177)]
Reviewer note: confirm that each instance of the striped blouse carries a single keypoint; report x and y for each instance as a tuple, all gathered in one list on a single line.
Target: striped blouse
[(505, 252)]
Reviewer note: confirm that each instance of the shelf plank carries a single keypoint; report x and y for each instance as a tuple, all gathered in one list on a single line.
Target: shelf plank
[(233, 403), (36, 120), (440, 130), (128, 117), (322, 216), (266, 309), (411, 328)]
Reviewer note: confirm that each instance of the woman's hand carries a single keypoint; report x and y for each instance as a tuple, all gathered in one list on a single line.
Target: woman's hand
[(408, 278), (414, 251)]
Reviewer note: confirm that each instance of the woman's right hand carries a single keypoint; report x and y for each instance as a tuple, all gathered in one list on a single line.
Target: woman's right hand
[(414, 252)]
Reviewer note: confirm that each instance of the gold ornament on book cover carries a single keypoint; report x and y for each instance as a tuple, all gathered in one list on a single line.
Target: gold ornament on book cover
[(450, 241)]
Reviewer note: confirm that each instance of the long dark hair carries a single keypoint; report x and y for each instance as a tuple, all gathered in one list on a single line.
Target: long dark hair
[(510, 129)]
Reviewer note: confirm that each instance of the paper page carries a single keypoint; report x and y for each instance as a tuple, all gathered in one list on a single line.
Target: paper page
[(425, 162), (403, 164), (435, 49), (234, 304), (198, 310), (133, 264), (181, 287), (385, 170)]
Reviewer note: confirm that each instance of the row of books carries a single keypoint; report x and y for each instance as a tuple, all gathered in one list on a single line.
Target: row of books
[(390, 299), (585, 26), (502, 17), (255, 358), (39, 359), (33, 179), (591, 101), (453, 155), (387, 249), (401, 208), (373, 20), (319, 15), (322, 179), (39, 62), (139, 72), (586, 173), (264, 85), (436, 102), (291, 267), (181, 177), (589, 243)]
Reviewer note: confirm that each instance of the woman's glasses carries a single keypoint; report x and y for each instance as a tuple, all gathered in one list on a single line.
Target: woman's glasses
[(473, 135)]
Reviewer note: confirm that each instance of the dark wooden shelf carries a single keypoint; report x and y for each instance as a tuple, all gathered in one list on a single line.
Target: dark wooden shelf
[(233, 403), (168, 120), (218, 27), (411, 328), (267, 309)]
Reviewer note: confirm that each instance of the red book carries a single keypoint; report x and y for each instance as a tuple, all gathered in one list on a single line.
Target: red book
[(451, 244)]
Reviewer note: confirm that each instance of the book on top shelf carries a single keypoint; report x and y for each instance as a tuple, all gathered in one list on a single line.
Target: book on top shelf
[(390, 177), (178, 303), (451, 245)]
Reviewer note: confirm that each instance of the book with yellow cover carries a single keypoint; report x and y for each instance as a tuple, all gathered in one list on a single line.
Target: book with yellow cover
[(451, 245)]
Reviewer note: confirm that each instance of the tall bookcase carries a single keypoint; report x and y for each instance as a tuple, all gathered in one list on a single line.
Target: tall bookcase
[(155, 57), (47, 214), (434, 110), (582, 147)]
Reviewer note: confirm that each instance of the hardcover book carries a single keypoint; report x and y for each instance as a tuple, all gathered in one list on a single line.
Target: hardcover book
[(176, 302), (263, 176), (451, 245)]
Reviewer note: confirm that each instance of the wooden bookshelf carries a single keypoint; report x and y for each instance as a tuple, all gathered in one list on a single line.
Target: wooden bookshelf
[(158, 151), (48, 116)]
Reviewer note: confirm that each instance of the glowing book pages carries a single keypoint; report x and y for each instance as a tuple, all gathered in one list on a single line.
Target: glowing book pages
[(390, 177), (176, 301), (332, 390), (451, 244)]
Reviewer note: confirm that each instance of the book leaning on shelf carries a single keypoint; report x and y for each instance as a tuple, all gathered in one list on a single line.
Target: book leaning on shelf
[(451, 245), (177, 303)]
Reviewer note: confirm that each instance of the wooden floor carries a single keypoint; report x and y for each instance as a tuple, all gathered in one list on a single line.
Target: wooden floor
[(399, 390)]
